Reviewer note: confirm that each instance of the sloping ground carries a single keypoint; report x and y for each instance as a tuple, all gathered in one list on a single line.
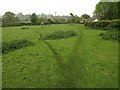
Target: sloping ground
[(100, 61), (0, 57), (82, 61)]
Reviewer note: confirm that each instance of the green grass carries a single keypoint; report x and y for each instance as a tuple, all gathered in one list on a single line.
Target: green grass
[(1, 71), (81, 61)]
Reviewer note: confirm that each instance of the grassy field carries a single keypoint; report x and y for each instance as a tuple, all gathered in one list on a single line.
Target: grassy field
[(81, 61), (0, 57)]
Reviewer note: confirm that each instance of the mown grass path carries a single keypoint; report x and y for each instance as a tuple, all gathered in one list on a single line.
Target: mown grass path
[(82, 61), (76, 66)]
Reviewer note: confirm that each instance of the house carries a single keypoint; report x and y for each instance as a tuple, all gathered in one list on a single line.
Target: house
[(95, 20)]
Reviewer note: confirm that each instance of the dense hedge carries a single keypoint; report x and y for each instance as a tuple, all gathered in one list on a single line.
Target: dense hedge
[(104, 24), (112, 26), (15, 44)]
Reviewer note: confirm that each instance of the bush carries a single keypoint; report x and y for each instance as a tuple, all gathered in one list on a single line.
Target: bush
[(113, 35), (116, 24), (24, 28), (16, 44), (60, 35), (104, 24)]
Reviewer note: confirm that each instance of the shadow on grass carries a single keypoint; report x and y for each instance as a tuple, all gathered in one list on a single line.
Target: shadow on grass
[(61, 69), (57, 56)]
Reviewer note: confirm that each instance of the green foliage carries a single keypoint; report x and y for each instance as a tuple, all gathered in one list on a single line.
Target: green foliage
[(34, 19), (77, 19), (74, 18), (85, 16), (60, 20), (71, 14), (9, 19), (60, 35), (53, 20), (24, 28), (113, 35), (50, 21), (13, 45), (107, 10), (115, 23), (104, 24)]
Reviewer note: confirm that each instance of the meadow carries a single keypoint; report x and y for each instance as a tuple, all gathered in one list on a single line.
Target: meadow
[(80, 59)]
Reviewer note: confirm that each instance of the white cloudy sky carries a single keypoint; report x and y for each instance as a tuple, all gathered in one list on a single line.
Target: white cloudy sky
[(62, 7)]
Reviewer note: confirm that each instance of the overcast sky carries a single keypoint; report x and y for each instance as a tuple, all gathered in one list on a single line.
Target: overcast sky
[(62, 7)]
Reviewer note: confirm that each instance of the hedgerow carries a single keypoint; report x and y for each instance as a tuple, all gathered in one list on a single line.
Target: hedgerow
[(104, 24)]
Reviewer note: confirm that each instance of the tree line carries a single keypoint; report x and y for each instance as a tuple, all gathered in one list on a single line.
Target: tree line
[(11, 19), (103, 11)]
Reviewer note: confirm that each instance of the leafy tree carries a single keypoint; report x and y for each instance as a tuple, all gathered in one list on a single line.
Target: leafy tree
[(50, 21), (34, 19), (72, 20), (71, 14), (10, 19), (85, 16), (118, 9), (77, 19), (107, 10)]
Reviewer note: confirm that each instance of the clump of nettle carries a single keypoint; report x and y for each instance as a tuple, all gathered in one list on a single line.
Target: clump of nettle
[(112, 34), (59, 35), (15, 44)]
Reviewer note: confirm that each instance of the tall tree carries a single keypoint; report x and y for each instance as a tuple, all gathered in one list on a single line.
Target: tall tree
[(34, 19), (10, 19), (85, 16), (72, 18), (71, 14), (107, 10)]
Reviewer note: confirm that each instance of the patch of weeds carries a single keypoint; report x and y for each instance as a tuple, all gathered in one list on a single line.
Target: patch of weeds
[(113, 35), (59, 35), (0, 48), (16, 44), (24, 28)]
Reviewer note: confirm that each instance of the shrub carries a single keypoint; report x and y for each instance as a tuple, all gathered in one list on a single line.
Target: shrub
[(116, 24), (104, 24), (24, 28), (16, 44), (59, 35), (113, 35)]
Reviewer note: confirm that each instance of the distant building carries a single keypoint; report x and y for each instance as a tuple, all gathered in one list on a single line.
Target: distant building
[(96, 20), (81, 22)]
